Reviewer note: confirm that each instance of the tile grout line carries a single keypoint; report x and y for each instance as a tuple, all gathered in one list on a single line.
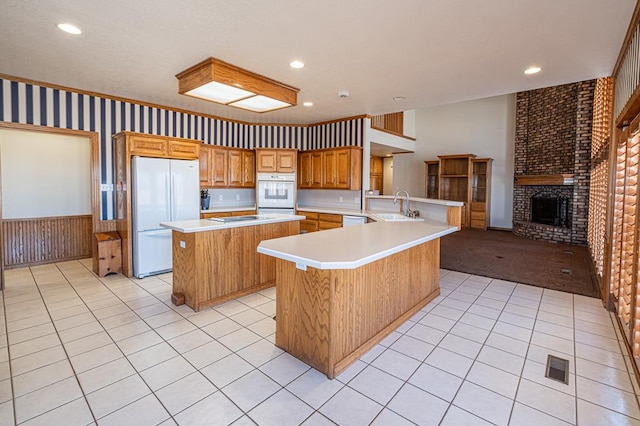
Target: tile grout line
[(6, 329), (75, 374)]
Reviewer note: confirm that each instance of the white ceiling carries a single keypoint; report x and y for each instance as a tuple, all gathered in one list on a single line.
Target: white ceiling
[(432, 52)]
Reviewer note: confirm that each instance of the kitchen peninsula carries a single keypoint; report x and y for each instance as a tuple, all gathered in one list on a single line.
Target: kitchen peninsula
[(215, 260), (341, 291)]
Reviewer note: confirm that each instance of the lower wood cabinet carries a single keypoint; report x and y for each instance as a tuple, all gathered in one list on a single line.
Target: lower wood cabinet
[(310, 224), (319, 221), (329, 221), (227, 214)]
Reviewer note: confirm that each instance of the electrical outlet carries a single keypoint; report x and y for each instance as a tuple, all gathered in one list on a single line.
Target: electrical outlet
[(106, 187), (341, 199), (356, 200), (301, 266), (183, 244), (220, 197), (237, 197)]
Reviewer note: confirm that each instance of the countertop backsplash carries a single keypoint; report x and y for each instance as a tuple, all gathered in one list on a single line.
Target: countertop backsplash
[(333, 198), (221, 198)]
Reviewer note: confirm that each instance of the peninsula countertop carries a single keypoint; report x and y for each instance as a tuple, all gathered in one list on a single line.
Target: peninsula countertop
[(199, 225), (354, 246)]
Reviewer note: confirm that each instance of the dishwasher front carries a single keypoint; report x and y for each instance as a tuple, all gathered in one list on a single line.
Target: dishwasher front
[(353, 220)]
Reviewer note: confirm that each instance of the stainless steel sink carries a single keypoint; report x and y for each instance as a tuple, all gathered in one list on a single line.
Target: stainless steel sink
[(234, 218)]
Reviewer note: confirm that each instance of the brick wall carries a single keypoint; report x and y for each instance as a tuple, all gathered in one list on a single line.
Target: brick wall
[(553, 136)]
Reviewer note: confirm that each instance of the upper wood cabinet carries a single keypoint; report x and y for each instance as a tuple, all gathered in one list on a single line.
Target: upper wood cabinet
[(162, 147), (222, 167), (376, 165), (335, 168), (376, 173), (276, 160)]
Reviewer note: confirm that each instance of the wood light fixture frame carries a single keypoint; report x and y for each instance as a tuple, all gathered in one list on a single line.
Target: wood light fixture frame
[(214, 70)]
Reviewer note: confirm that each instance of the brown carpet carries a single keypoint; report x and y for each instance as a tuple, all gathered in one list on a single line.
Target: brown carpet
[(502, 255)]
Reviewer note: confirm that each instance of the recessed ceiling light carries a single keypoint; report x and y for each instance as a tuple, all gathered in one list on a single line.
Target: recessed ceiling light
[(68, 28), (308, 104), (296, 64), (532, 70), (399, 98)]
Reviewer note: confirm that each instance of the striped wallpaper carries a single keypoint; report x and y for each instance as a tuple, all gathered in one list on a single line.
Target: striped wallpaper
[(44, 106)]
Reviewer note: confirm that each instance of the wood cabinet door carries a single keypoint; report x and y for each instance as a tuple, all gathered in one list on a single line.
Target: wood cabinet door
[(205, 165), (317, 169), (183, 150), (266, 161), (304, 170), (330, 172), (220, 169), (375, 183), (236, 172), (343, 169), (148, 146), (249, 169), (286, 161), (376, 166)]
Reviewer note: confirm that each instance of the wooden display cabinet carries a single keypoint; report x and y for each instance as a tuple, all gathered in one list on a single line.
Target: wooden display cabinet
[(480, 193), (462, 178), (432, 180)]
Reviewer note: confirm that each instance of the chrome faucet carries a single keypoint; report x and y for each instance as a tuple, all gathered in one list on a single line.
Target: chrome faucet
[(405, 206)]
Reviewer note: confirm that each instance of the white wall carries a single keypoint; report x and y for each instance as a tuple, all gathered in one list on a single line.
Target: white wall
[(44, 174), (484, 127), (387, 176)]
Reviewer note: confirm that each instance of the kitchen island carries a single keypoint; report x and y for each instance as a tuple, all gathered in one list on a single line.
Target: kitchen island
[(215, 260), (340, 291)]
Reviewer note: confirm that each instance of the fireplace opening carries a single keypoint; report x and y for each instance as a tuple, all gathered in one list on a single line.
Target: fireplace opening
[(549, 209)]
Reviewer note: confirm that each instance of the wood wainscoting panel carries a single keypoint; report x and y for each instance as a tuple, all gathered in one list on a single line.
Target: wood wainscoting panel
[(37, 241), (329, 318)]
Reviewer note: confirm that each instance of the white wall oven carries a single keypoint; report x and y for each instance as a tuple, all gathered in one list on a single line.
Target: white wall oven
[(276, 193)]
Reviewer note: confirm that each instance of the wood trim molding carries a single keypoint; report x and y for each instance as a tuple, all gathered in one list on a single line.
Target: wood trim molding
[(560, 179), (98, 224), (394, 133)]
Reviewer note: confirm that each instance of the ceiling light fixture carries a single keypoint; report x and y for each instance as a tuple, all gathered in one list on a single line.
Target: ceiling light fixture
[(217, 81), (296, 64), (399, 98), (308, 104), (68, 28), (532, 70)]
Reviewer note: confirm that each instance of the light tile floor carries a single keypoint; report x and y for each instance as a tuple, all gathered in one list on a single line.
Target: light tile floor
[(77, 350)]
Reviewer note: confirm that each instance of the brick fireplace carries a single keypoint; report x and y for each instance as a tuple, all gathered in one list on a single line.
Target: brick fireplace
[(552, 161)]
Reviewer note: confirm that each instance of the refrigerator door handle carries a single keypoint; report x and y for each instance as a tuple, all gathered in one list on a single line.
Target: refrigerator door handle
[(174, 207), (167, 194)]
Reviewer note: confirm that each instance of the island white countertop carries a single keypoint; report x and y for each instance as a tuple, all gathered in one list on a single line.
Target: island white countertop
[(199, 225), (353, 246)]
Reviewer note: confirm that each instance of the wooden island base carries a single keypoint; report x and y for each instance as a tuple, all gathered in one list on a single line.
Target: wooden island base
[(329, 318), (213, 266)]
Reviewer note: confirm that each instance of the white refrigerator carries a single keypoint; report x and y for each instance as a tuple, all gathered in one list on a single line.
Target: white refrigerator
[(163, 190)]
